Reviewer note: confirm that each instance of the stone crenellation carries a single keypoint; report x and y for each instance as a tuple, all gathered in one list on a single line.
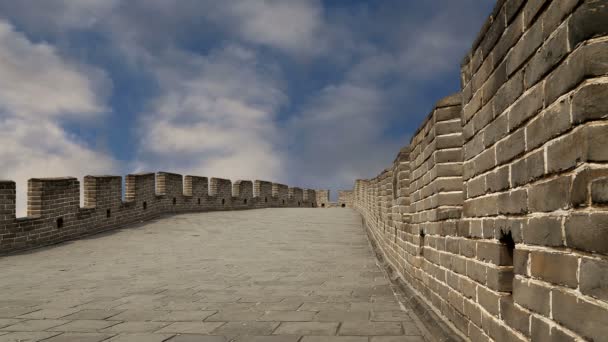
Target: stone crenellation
[(496, 213), (54, 213), (345, 198)]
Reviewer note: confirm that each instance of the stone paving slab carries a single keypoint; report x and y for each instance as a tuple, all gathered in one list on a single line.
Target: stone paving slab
[(274, 275)]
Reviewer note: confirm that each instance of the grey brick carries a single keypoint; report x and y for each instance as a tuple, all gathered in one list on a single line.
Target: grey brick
[(554, 268), (551, 195), (514, 316), (590, 103), (594, 278), (552, 51), (497, 180), (587, 231), (589, 20), (599, 191), (512, 146), (585, 318), (526, 46), (586, 61), (530, 10), (549, 124), (531, 296), (508, 93), (544, 231), (513, 202), (543, 332), (567, 151), (527, 169), (526, 107), (597, 142)]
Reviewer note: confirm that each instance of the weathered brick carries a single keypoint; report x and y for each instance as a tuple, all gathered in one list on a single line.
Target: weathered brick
[(543, 332), (476, 271), (552, 51), (587, 231), (513, 202), (531, 10), (587, 21), (526, 46), (495, 253), (509, 92), (473, 147), (549, 124), (509, 38), (586, 61), (496, 130), (514, 316), (512, 146), (581, 316), (500, 278), (488, 300), (485, 161), (511, 225), (544, 231), (526, 107), (497, 180), (531, 296), (590, 103), (599, 191), (527, 169), (468, 247), (597, 140), (550, 195), (554, 268), (580, 185), (476, 334), (494, 82), (484, 116), (594, 278), (555, 14), (476, 187), (567, 151)]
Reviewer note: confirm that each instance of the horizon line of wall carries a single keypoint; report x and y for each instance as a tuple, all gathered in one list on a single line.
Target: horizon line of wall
[(496, 213), (54, 213)]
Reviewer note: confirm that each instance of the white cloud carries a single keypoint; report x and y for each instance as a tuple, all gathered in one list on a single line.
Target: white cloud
[(37, 89), (34, 79), (340, 136), (214, 117), (293, 26)]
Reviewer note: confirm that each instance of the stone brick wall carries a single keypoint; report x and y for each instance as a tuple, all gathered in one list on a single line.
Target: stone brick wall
[(496, 213), (345, 198), (55, 215), (322, 198)]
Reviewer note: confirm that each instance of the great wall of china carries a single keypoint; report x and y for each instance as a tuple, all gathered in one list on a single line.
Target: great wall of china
[(54, 213), (495, 216)]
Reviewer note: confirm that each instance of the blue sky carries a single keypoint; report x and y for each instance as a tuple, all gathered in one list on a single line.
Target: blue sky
[(309, 93)]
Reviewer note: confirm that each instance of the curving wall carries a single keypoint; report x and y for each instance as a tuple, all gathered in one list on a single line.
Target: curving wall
[(54, 213), (496, 214)]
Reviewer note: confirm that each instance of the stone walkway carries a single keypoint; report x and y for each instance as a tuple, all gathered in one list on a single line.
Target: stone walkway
[(260, 275)]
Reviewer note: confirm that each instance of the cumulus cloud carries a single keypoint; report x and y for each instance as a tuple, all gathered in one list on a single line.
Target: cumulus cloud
[(215, 116), (230, 94), (293, 26), (340, 136), (37, 89)]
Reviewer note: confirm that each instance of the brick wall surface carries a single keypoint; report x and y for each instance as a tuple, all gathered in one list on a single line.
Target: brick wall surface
[(54, 212), (322, 198), (345, 198), (496, 213)]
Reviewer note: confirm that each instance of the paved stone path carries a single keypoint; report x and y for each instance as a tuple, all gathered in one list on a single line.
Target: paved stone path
[(260, 275)]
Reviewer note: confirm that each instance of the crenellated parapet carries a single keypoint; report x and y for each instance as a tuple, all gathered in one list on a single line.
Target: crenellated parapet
[(55, 215)]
